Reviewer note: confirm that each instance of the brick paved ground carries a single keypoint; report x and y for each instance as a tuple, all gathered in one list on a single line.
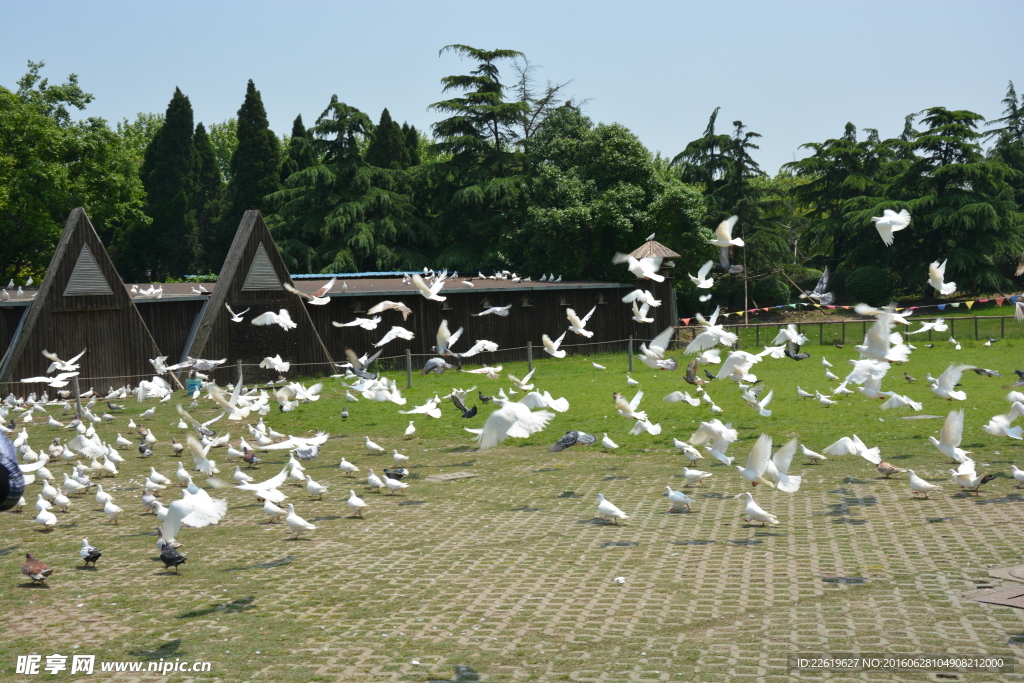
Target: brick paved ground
[(510, 574)]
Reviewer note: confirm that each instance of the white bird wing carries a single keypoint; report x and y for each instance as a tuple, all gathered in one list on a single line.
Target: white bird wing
[(760, 454), (663, 340), (635, 403), (583, 322), (784, 456), (937, 272), (702, 274), (949, 379), (480, 346), (724, 229), (952, 429), (422, 286), (845, 446)]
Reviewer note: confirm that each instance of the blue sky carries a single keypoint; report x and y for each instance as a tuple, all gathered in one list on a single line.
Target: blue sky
[(793, 71)]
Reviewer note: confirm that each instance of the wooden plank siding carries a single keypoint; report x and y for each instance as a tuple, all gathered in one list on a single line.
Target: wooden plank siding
[(169, 321), (217, 337), (109, 325)]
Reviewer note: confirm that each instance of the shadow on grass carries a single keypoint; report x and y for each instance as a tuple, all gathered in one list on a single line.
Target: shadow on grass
[(326, 519), (526, 508), (936, 520), (611, 478), (619, 544), (169, 649), (569, 494), (549, 469), (692, 542), (33, 584), (265, 565), (1010, 498), (8, 550), (83, 568), (238, 605), (748, 541), (597, 521), (412, 502), (463, 674), (845, 580)]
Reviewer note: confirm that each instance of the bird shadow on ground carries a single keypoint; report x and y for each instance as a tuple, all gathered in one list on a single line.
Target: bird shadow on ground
[(32, 584), (845, 580), (856, 480), (692, 542), (936, 520), (549, 469), (235, 606), (679, 512), (8, 550), (714, 494), (595, 520), (611, 478), (619, 544), (1010, 498), (83, 568), (296, 538), (147, 533), (526, 508), (412, 502), (326, 519), (468, 463), (569, 494), (273, 564), (747, 541), (168, 649)]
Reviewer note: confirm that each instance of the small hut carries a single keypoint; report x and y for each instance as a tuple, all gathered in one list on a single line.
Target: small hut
[(663, 290), (81, 304), (253, 277)]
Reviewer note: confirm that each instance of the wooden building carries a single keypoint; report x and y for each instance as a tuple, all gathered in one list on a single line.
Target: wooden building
[(253, 277), (81, 304), (186, 321)]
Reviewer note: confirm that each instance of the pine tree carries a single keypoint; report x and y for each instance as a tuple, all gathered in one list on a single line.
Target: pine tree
[(209, 187), (169, 245), (412, 143), (301, 153), (388, 150), (255, 169)]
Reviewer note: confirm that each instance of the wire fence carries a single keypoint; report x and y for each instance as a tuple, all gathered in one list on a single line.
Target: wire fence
[(756, 335)]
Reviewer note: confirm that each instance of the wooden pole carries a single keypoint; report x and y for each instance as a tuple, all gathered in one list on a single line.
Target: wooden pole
[(630, 353), (529, 355), (78, 395), (408, 369)]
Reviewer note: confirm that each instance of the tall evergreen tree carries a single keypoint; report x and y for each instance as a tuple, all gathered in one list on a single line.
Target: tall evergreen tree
[(255, 169), (412, 143), (169, 246), (1009, 141), (301, 152), (481, 175), (387, 149), (209, 187)]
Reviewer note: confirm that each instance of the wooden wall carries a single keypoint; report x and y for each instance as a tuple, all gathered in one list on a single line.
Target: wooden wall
[(170, 323)]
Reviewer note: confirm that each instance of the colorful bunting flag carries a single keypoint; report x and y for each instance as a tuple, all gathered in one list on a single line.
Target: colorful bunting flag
[(999, 301), (956, 305), (969, 304), (942, 307)]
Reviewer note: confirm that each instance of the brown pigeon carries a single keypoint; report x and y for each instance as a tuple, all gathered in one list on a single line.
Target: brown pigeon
[(35, 570)]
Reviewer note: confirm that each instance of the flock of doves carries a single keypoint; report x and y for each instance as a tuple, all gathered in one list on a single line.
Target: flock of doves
[(512, 418)]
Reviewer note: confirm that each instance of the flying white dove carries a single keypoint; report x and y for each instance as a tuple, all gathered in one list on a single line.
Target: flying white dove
[(577, 324), (702, 280), (936, 275), (282, 318), (890, 222), (723, 234)]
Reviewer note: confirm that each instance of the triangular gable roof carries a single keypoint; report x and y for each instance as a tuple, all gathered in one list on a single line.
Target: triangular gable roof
[(252, 277), (82, 303), (653, 248)]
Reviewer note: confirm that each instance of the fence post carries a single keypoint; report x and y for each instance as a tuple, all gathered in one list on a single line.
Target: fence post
[(844, 332), (529, 355), (975, 328), (239, 367), (408, 369), (1002, 327), (78, 397), (821, 334), (629, 350), (757, 336)]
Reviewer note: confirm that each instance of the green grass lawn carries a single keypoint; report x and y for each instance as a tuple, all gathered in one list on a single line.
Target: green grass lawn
[(508, 572)]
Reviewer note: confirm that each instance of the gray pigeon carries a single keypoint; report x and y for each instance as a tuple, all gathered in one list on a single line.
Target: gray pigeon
[(437, 366), (572, 438)]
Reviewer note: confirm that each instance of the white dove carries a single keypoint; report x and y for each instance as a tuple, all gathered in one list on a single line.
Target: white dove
[(754, 512), (607, 510), (778, 468), (577, 324), (282, 319), (936, 277), (368, 324), (678, 500), (950, 436), (429, 292), (854, 446), (608, 443), (356, 503), (236, 317), (723, 234), (551, 347), (297, 524), (757, 462), (890, 222), (702, 281), (945, 386), (645, 268), (919, 485)]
